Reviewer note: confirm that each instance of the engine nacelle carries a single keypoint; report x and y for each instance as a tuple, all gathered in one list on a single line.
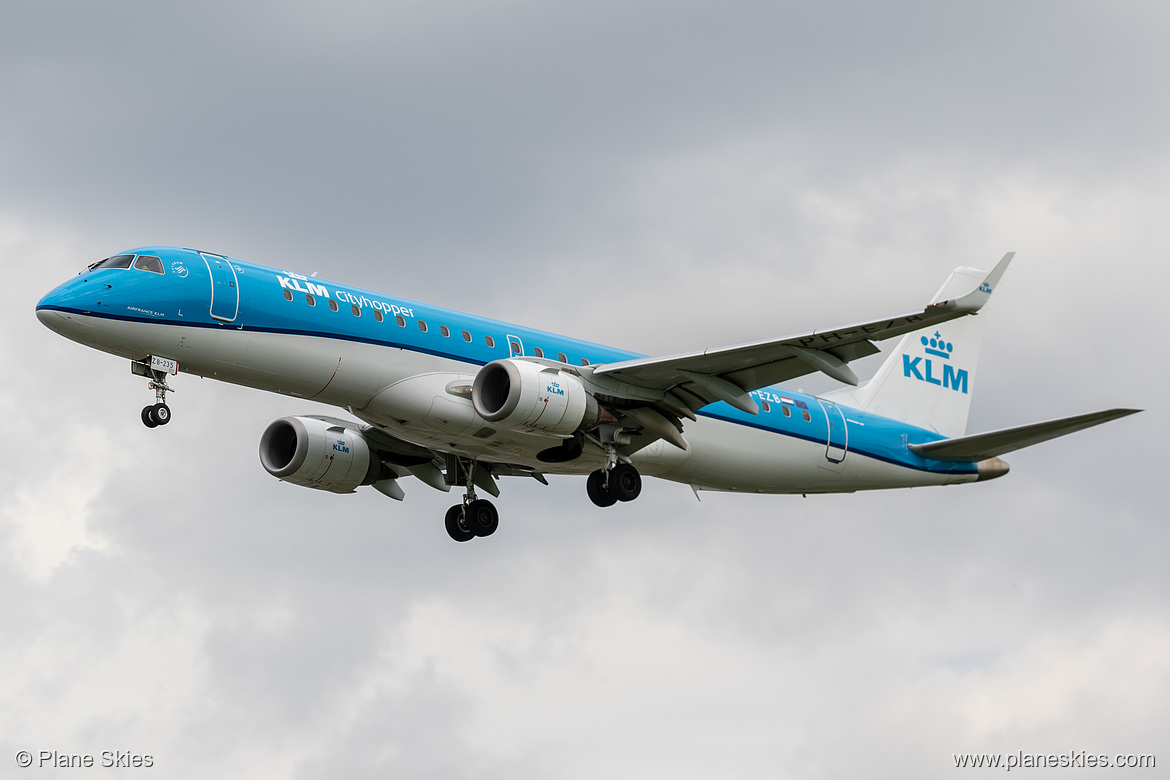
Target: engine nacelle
[(318, 453), (533, 398)]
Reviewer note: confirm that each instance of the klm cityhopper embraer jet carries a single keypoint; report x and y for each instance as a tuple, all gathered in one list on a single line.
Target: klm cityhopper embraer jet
[(456, 400)]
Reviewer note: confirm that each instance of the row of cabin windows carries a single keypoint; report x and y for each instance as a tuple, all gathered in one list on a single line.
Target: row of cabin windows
[(491, 342), (422, 325), (784, 410)]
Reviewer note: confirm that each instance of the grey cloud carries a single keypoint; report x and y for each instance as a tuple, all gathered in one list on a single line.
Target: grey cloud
[(658, 176)]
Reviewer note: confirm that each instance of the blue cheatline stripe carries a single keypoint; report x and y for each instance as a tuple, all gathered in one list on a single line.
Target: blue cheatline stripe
[(920, 464), (280, 331)]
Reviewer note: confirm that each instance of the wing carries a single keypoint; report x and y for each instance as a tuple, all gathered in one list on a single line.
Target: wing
[(695, 379), (434, 468)]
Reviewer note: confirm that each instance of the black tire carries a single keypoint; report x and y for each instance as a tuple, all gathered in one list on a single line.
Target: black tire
[(598, 494), (161, 414), (482, 517), (625, 482), (455, 526), (148, 417)]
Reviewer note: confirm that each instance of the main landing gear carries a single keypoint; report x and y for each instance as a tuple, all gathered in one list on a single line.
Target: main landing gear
[(474, 517), (620, 482), (470, 519)]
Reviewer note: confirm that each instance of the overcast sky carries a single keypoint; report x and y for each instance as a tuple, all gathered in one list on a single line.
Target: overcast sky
[(657, 176)]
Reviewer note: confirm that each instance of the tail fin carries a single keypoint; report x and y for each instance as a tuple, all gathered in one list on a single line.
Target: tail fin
[(929, 379)]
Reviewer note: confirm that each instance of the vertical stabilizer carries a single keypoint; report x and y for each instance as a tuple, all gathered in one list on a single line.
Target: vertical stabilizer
[(929, 379)]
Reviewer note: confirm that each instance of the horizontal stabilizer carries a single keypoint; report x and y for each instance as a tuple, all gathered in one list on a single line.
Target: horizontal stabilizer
[(981, 446)]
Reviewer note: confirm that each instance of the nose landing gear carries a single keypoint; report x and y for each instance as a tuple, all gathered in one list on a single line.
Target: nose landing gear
[(157, 413)]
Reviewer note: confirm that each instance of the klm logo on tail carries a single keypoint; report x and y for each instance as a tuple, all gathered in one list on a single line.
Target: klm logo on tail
[(924, 369)]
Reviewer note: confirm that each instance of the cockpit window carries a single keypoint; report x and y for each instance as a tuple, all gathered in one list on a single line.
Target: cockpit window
[(117, 261), (149, 263)]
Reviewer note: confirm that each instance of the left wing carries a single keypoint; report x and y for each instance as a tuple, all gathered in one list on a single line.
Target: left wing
[(434, 468), (729, 374)]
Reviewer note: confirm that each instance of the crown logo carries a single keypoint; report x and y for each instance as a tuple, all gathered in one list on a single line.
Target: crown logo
[(935, 345), (985, 287)]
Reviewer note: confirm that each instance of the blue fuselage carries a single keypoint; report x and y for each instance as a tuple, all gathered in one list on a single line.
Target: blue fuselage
[(288, 333)]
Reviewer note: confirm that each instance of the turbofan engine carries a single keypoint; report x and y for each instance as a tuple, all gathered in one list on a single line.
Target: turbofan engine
[(533, 398), (318, 453)]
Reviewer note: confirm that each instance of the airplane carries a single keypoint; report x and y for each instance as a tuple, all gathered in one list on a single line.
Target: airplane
[(456, 400)]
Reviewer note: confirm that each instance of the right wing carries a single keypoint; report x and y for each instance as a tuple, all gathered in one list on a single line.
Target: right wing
[(695, 379)]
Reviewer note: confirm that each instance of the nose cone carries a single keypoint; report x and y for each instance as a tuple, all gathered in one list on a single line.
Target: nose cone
[(49, 308), (58, 310), (48, 317), (60, 297)]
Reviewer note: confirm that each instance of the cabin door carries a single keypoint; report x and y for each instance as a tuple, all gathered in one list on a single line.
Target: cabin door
[(838, 434), (225, 293)]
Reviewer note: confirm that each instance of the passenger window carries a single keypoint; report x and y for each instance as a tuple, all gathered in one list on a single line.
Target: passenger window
[(561, 357), (400, 320), (445, 331), (515, 347), (584, 361), (467, 337), (489, 341), (309, 299), (422, 326), (767, 407), (538, 352), (356, 311), (378, 315), (149, 263), (784, 410), (288, 295), (807, 417), (332, 305)]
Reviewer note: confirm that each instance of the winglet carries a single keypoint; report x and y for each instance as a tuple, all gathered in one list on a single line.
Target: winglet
[(974, 300)]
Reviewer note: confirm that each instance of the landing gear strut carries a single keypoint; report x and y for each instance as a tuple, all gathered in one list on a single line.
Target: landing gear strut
[(475, 516)]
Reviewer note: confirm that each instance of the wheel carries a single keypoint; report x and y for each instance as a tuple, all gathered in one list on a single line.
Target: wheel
[(148, 417), (598, 493), (455, 525), (482, 517), (625, 482), (161, 413)]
